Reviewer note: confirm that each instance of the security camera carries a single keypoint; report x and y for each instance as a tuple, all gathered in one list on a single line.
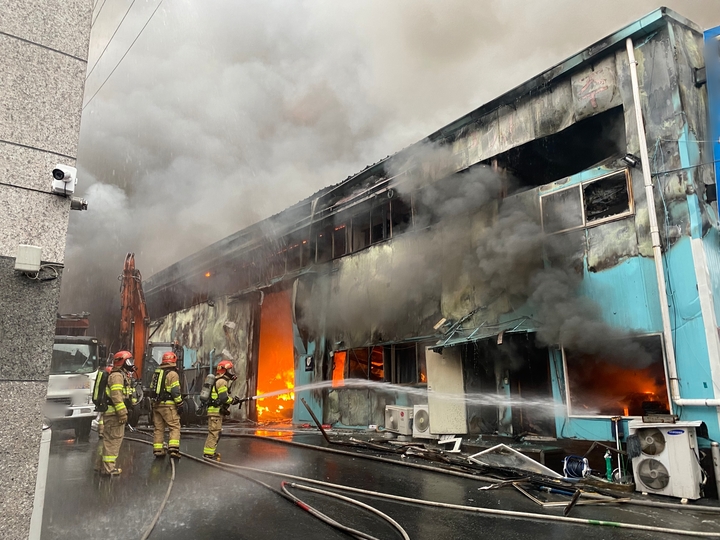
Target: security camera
[(64, 179)]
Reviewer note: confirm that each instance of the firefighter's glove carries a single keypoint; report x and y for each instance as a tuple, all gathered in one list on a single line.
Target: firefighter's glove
[(122, 419), (181, 407)]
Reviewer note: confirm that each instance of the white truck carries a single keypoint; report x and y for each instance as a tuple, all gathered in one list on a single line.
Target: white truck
[(73, 369)]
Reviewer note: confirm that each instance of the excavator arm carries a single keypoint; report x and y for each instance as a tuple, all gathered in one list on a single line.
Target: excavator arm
[(134, 320)]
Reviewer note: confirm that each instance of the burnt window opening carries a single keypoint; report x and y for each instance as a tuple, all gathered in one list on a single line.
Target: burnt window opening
[(323, 244), (365, 363), (628, 379), (405, 364), (339, 241), (400, 216), (589, 203), (380, 223), (606, 197), (576, 148), (517, 366), (360, 231), (298, 251)]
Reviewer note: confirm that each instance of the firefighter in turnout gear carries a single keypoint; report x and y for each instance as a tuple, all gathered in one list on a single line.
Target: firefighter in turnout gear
[(120, 396), (100, 423), (167, 406), (220, 401)]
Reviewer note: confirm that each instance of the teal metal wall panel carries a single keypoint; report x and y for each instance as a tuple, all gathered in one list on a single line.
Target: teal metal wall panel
[(627, 295)]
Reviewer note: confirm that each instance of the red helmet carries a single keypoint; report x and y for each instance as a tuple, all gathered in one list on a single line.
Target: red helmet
[(226, 368), (124, 359), (169, 358)]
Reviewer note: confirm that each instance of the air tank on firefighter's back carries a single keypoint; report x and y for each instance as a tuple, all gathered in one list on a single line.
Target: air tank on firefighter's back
[(207, 388)]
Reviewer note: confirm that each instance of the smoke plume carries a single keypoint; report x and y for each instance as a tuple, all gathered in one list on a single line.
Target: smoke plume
[(224, 113)]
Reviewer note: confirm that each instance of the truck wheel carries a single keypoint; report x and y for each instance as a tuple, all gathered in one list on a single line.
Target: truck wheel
[(189, 415), (82, 429)]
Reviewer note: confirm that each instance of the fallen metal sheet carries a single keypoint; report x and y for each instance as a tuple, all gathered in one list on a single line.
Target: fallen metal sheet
[(502, 456)]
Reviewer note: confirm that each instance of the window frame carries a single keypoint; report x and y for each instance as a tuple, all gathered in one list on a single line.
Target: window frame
[(566, 378), (580, 186)]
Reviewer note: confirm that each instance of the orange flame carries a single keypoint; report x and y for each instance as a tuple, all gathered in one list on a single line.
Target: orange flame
[(276, 360)]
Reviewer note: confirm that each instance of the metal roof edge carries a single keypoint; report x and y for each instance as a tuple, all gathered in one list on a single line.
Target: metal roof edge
[(642, 27)]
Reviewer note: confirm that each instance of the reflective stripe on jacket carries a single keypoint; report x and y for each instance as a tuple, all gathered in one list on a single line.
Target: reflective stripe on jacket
[(172, 388), (117, 391), (219, 396)]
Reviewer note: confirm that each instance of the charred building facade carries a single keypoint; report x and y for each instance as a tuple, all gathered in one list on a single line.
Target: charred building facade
[(506, 270)]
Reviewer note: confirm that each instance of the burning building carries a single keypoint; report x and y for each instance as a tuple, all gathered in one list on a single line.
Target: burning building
[(542, 264)]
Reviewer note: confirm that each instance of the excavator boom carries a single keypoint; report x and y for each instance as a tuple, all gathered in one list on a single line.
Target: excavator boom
[(134, 320)]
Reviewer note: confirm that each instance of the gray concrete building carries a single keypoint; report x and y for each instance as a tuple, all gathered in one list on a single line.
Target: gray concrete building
[(43, 60)]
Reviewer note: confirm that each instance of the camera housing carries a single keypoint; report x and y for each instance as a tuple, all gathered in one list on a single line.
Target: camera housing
[(64, 179)]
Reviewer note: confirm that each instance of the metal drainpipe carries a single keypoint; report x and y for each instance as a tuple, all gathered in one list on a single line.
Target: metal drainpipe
[(657, 249)]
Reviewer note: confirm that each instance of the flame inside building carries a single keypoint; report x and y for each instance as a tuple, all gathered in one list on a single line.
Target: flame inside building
[(276, 373)]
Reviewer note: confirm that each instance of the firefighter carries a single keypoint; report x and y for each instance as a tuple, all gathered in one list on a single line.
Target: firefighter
[(167, 406), (220, 401), (119, 393), (100, 423)]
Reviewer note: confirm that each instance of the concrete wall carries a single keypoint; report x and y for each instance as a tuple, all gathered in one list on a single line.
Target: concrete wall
[(43, 60)]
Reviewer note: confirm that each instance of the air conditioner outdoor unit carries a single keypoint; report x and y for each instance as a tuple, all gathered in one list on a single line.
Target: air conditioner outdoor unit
[(399, 419), (670, 462), (421, 423)]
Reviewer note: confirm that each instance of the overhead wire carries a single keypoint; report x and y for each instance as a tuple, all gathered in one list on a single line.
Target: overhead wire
[(124, 55), (110, 40)]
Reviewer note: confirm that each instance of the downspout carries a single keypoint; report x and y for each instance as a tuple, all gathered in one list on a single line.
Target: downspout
[(657, 248)]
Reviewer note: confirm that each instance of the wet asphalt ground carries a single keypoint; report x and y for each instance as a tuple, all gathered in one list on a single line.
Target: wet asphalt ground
[(210, 503)]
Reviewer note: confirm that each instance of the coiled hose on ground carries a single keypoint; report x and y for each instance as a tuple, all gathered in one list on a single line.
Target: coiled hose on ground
[(487, 511)]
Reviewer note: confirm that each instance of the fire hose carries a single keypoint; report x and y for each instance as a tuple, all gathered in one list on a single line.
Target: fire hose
[(283, 493), (478, 510)]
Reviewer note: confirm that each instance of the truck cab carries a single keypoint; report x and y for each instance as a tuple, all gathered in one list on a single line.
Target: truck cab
[(73, 369)]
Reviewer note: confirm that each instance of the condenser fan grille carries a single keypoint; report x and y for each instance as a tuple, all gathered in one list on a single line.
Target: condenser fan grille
[(653, 474), (652, 441), (422, 421), (392, 420)]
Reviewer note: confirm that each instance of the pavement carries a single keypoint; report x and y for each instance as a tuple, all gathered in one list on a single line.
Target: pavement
[(209, 503)]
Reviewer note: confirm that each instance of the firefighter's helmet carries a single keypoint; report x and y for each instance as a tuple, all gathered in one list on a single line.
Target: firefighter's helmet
[(226, 368), (169, 358), (124, 360)]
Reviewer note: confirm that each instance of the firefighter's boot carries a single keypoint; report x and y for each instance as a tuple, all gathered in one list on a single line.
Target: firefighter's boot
[(174, 453), (212, 457)]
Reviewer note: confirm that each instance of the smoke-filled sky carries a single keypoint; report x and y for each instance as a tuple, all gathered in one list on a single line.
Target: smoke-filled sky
[(226, 112)]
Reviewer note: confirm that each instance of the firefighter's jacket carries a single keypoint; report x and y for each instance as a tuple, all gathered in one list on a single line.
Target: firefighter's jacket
[(119, 392), (170, 394), (219, 397)]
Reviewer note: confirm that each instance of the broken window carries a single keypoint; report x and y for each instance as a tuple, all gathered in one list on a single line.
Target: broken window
[(606, 197), (360, 231), (297, 252), (400, 216), (365, 363), (339, 241), (627, 379), (576, 148), (380, 223), (338, 367), (404, 365), (323, 244), (588, 203)]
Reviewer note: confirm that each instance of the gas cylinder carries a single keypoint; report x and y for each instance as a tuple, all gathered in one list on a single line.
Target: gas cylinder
[(206, 390)]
